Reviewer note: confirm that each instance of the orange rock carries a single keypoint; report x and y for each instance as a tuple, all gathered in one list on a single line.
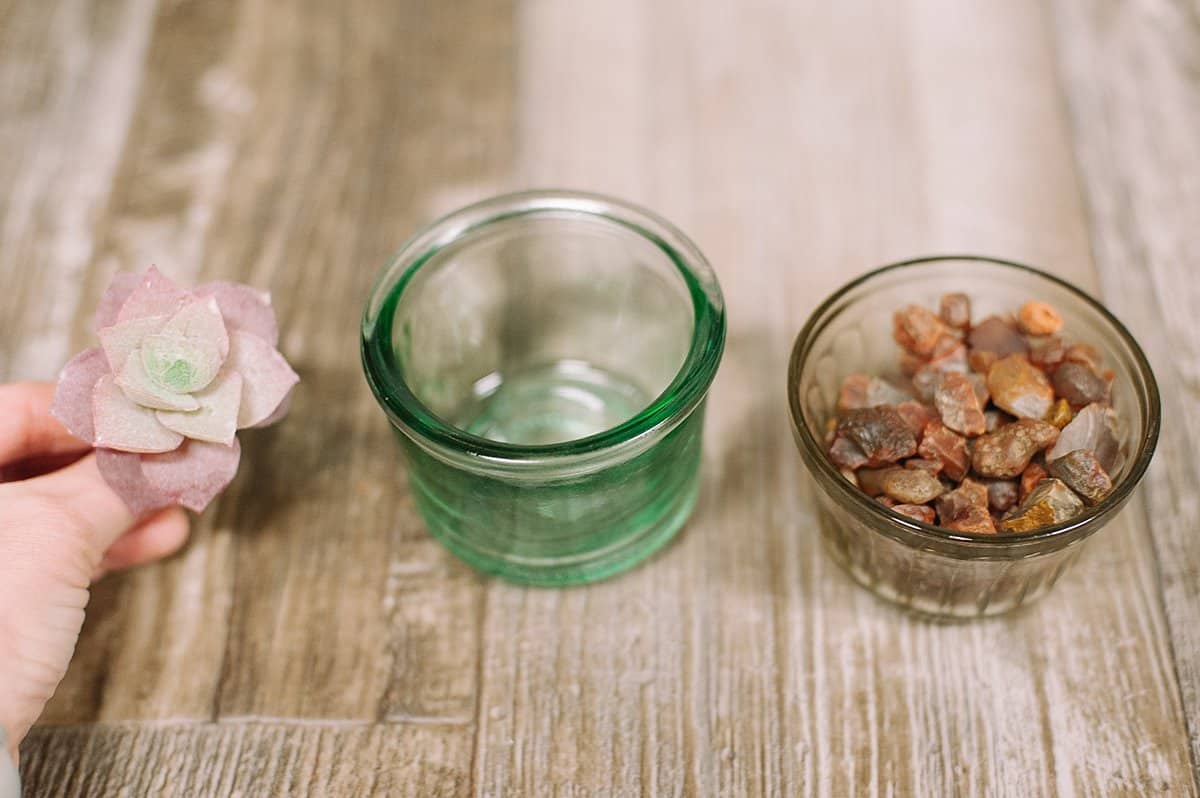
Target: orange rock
[(1019, 387), (1039, 318), (916, 329), (958, 405)]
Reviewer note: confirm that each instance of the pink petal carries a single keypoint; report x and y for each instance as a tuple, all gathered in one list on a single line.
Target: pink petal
[(200, 320), (125, 425), (72, 403), (123, 473), (138, 386), (155, 295), (119, 289), (193, 474), (244, 308), (280, 411), (267, 377), (120, 340), (216, 420)]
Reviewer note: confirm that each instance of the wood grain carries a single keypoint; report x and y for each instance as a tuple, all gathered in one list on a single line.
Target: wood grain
[(313, 639), (247, 759), (1131, 72)]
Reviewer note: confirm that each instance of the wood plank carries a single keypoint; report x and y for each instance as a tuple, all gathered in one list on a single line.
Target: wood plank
[(800, 144), (248, 759), (65, 67), (1129, 71), (292, 146)]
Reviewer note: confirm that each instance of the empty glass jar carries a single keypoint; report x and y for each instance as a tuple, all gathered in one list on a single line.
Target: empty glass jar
[(544, 358)]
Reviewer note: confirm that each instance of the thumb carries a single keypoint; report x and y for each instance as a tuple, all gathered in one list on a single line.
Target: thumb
[(81, 490)]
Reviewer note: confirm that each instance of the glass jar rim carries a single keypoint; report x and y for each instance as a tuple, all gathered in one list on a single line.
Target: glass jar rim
[(1064, 532), (671, 406)]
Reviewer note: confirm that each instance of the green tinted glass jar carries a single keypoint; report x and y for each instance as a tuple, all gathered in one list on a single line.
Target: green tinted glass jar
[(544, 358)]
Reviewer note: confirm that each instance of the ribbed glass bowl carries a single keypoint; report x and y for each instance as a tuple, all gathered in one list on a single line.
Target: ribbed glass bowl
[(924, 568)]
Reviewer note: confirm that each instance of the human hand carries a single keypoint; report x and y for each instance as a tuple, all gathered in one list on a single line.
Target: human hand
[(59, 532)]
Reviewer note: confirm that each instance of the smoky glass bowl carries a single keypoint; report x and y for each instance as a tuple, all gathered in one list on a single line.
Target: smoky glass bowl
[(928, 570)]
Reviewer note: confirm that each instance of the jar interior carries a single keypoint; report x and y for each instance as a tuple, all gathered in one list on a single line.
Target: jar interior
[(542, 328)]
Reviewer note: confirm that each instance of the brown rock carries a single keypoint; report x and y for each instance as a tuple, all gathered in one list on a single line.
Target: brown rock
[(958, 404), (1006, 452), (1002, 494), (924, 464), (1048, 354), (1038, 318), (845, 453), (1079, 385), (955, 310), (954, 504), (1019, 387), (916, 329), (880, 433), (1082, 473), (997, 335)]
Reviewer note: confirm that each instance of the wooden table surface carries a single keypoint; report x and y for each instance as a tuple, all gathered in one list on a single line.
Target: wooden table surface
[(313, 640)]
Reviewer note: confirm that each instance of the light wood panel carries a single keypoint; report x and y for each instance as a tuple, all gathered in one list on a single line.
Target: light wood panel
[(1131, 76), (801, 144), (313, 640)]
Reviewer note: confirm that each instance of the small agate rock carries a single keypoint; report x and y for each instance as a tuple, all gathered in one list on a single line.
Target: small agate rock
[(997, 335), (1038, 318), (917, 416), (1084, 355), (933, 467), (1048, 354), (965, 509), (1030, 477), (1051, 502), (859, 391), (955, 311), (911, 485), (958, 405), (1002, 494), (1019, 387), (944, 445), (1096, 429), (880, 434), (916, 329), (1079, 385), (927, 377), (1060, 414), (1082, 473), (1006, 452), (918, 512)]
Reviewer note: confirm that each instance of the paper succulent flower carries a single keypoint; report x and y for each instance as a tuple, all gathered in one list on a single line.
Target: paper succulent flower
[(178, 372)]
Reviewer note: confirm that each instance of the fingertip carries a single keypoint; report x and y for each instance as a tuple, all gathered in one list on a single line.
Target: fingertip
[(154, 538), (82, 489)]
